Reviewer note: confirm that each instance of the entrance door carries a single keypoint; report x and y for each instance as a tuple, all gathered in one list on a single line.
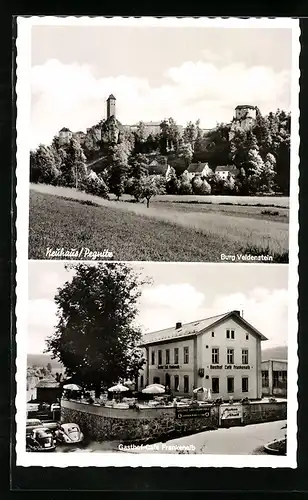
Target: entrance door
[(186, 383), (167, 381), (156, 380)]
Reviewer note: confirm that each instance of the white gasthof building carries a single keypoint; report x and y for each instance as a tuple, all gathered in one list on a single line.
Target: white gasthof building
[(221, 353)]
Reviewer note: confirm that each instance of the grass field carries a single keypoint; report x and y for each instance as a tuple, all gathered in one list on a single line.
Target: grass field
[(165, 231)]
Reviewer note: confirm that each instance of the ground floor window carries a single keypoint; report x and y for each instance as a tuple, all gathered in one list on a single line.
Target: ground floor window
[(176, 383), (279, 379), (215, 385), (186, 383), (230, 384), (264, 378), (167, 380), (245, 384), (156, 380), (141, 381)]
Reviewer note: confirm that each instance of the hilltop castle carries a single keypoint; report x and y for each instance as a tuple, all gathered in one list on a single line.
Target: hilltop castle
[(245, 118)]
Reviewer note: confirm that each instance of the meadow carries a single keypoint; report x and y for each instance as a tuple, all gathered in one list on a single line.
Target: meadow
[(171, 229)]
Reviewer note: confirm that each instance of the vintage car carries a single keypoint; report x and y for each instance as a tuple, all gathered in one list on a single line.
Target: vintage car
[(69, 434), (31, 424), (40, 439)]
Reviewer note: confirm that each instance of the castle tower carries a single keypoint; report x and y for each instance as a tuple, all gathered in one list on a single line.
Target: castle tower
[(65, 136), (111, 106)]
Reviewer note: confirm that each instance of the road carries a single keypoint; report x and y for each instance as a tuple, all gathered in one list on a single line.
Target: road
[(248, 440)]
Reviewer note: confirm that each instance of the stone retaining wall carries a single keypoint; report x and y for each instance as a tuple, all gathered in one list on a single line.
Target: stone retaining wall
[(143, 425), (255, 413), (156, 424)]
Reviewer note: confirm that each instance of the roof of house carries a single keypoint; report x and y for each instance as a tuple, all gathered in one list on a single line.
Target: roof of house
[(196, 327), (48, 383), (195, 168), (65, 129), (243, 106), (111, 97), (226, 168), (156, 168)]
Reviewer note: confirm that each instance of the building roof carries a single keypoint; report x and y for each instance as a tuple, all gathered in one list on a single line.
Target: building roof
[(196, 327), (111, 97), (276, 360), (158, 168), (244, 106), (226, 168), (196, 168), (48, 383), (65, 129)]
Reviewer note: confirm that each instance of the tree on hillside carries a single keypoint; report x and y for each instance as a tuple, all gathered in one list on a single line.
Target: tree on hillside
[(186, 151), (117, 179), (190, 134), (200, 186), (169, 135), (117, 170), (140, 132), (43, 165), (268, 173), (172, 182), (152, 143), (185, 186), (218, 145), (73, 168), (255, 167), (49, 367), (198, 144), (95, 184), (149, 188), (96, 337), (241, 144), (138, 165)]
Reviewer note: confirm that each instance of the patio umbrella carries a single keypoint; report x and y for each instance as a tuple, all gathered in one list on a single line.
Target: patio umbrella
[(154, 389), (72, 387), (156, 385), (118, 388), (200, 389)]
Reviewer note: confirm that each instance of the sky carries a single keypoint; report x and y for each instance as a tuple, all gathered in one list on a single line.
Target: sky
[(179, 292), (154, 73)]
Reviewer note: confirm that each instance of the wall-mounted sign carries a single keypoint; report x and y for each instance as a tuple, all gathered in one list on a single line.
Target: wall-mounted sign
[(201, 372), (168, 367), (230, 367), (227, 412), (190, 412)]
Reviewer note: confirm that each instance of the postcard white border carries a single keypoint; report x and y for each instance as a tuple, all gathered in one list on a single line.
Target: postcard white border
[(85, 459)]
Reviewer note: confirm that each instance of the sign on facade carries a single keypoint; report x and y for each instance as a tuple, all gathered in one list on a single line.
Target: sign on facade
[(228, 412), (182, 412)]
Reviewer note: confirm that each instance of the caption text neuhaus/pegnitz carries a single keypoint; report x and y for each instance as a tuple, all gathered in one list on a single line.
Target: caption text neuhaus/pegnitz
[(74, 253)]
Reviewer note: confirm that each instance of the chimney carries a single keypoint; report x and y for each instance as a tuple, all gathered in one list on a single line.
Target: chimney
[(237, 312), (178, 325)]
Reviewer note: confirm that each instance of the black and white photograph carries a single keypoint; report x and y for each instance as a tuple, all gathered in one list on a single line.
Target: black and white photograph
[(160, 143), (157, 359), (157, 242)]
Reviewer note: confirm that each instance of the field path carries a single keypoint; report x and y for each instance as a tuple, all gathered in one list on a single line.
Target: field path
[(252, 232)]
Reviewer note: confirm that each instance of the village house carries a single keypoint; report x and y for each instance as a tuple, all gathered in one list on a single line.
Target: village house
[(226, 171), (221, 353), (159, 168), (48, 390), (274, 377), (198, 169)]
